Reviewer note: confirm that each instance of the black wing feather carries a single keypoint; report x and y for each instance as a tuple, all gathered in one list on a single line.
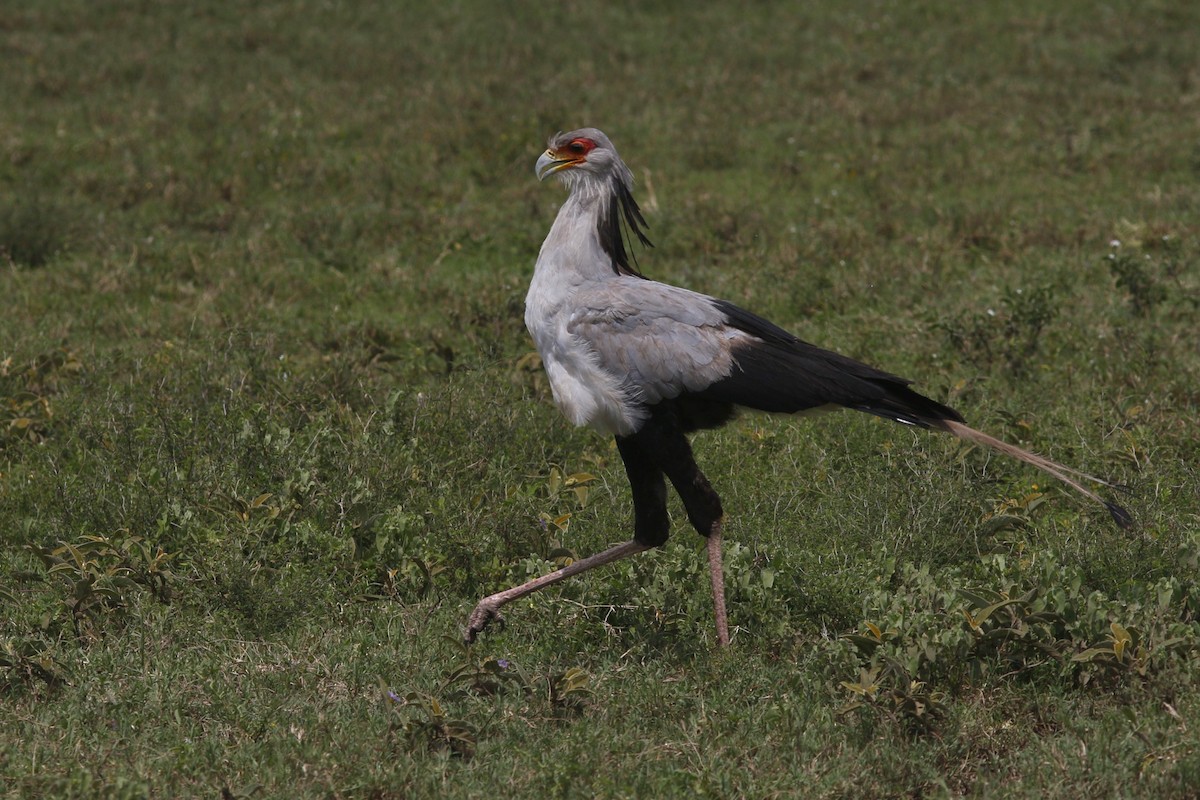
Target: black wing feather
[(783, 374)]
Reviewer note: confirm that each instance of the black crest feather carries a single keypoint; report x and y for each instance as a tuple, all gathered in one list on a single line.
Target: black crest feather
[(622, 220)]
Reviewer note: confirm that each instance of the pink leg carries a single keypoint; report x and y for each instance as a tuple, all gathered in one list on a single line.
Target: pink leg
[(488, 608), (717, 573)]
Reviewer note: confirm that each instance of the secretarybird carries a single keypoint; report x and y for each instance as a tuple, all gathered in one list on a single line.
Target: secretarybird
[(651, 363)]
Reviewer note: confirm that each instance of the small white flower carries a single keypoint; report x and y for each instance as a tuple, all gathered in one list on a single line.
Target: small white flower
[(1115, 243)]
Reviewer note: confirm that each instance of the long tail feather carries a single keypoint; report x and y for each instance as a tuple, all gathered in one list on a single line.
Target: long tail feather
[(1119, 514)]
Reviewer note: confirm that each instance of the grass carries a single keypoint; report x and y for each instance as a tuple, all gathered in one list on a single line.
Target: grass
[(269, 428)]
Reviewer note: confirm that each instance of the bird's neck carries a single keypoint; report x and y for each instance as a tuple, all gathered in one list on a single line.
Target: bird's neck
[(594, 229), (573, 252)]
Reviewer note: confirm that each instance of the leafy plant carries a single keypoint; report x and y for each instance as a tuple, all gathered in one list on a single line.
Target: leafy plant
[(424, 724), (564, 491), (1008, 337), (26, 660), (26, 411), (1152, 271), (937, 636), (489, 676), (1010, 629), (413, 579), (569, 690), (1121, 649), (1134, 272), (100, 572), (889, 689)]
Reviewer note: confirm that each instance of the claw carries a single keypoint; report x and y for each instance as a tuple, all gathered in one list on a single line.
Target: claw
[(484, 614)]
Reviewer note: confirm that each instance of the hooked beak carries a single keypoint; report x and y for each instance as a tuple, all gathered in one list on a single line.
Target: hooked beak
[(548, 164)]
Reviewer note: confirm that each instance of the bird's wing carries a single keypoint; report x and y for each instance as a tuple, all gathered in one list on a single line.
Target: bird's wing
[(667, 341), (776, 371), (660, 340)]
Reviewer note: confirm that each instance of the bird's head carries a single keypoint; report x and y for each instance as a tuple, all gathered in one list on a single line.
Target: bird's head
[(586, 161), (585, 155)]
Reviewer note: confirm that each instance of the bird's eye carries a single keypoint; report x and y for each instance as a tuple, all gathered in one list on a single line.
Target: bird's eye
[(579, 147)]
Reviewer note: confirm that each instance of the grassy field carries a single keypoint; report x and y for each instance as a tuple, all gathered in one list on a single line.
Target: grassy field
[(270, 423)]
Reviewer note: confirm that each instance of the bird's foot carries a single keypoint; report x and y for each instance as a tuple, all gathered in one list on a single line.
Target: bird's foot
[(485, 613)]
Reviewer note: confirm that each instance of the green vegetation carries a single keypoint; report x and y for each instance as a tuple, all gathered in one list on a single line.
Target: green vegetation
[(270, 425)]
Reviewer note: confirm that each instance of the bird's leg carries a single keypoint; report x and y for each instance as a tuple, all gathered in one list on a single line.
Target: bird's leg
[(664, 437), (717, 574), (488, 608), (651, 526)]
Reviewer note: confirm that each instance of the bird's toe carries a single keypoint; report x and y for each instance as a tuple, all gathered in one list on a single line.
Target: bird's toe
[(483, 615)]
